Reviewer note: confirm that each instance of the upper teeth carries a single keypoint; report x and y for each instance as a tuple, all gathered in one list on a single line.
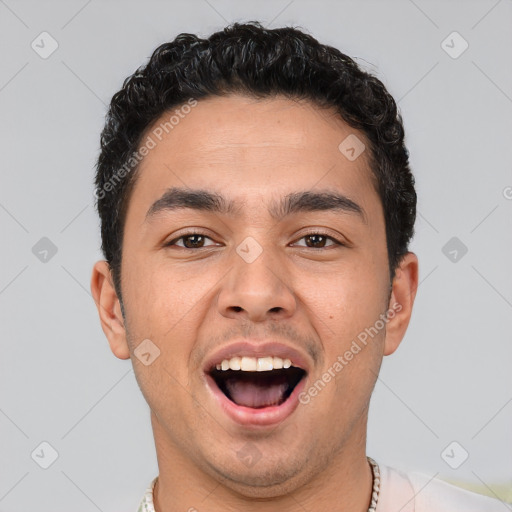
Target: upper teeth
[(254, 364)]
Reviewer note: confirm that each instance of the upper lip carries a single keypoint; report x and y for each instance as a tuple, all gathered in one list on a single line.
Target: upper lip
[(253, 348)]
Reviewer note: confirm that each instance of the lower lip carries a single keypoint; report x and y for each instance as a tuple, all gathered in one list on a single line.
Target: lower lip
[(264, 416)]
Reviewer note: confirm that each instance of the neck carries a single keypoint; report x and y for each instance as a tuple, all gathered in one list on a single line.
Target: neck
[(343, 484)]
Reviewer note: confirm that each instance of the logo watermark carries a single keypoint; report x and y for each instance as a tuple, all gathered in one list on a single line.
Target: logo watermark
[(355, 348), (150, 143)]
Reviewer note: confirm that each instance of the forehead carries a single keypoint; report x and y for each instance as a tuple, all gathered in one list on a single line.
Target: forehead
[(252, 148)]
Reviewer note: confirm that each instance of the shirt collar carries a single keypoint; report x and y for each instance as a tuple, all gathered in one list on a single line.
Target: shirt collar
[(146, 504)]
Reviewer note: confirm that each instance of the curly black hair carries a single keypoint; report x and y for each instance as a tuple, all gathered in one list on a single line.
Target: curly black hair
[(246, 58)]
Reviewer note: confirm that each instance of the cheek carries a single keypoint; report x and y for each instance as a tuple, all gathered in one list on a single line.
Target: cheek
[(163, 293), (165, 305), (349, 295), (347, 309), (346, 304)]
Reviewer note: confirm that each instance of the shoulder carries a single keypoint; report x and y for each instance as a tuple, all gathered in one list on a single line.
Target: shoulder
[(416, 492), (434, 494)]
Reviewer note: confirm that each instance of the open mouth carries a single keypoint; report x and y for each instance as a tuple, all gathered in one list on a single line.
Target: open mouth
[(258, 389)]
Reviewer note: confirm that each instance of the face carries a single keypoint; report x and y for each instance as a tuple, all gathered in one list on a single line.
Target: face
[(290, 263)]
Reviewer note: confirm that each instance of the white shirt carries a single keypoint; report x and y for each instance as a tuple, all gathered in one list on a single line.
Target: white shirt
[(406, 492), (416, 492)]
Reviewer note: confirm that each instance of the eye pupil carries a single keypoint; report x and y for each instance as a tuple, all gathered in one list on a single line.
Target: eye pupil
[(194, 244), (309, 237)]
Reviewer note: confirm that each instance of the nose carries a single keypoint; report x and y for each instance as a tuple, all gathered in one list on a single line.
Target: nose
[(256, 291)]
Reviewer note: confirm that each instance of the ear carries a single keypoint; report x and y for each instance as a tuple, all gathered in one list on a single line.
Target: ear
[(403, 293), (109, 309)]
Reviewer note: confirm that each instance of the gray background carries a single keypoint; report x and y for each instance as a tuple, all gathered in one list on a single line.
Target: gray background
[(449, 381)]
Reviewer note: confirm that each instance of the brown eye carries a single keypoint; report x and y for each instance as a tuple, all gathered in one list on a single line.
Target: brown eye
[(194, 241), (316, 240), (190, 241), (319, 241)]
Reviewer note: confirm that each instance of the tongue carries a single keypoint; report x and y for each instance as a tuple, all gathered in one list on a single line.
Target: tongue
[(257, 393)]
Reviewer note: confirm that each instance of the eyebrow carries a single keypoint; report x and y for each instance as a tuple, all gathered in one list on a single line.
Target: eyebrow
[(177, 198)]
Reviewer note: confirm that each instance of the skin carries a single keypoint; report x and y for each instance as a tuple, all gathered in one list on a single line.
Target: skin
[(317, 300)]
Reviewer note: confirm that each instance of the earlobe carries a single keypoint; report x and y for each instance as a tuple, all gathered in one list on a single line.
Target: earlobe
[(401, 302), (109, 309)]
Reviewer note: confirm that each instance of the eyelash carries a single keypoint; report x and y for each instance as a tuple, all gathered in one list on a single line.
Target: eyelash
[(311, 233)]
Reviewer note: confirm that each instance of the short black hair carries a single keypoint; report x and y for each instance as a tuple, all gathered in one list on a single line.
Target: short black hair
[(248, 59)]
